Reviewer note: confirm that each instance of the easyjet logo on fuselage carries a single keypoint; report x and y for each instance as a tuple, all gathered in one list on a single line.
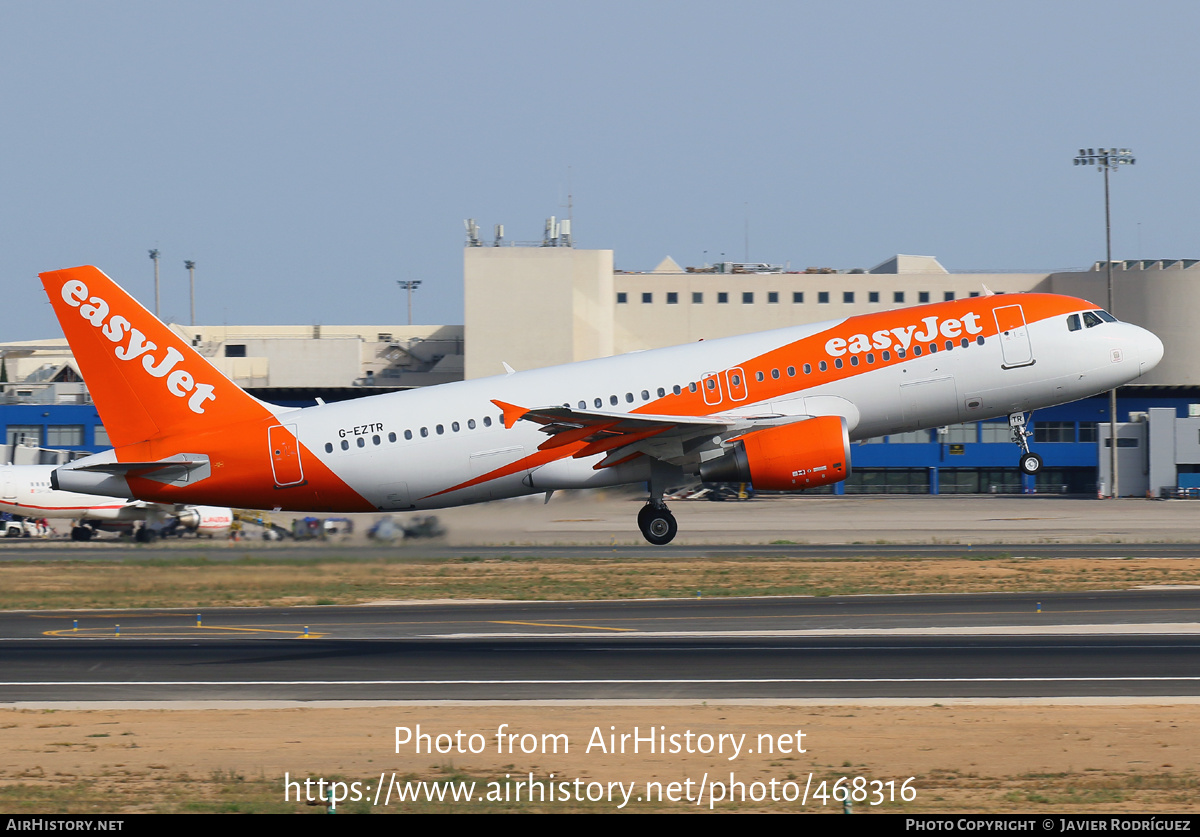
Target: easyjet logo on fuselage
[(901, 338), (179, 382)]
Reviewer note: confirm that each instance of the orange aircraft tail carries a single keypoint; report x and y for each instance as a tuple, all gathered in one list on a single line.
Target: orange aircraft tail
[(146, 380)]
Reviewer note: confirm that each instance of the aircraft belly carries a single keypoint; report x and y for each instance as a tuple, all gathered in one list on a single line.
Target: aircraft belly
[(580, 473)]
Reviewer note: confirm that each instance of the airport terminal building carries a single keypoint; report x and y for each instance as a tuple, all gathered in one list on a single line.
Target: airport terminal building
[(552, 303)]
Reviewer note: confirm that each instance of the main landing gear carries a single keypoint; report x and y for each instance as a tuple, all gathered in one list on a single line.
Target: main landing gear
[(1030, 462), (657, 523), (655, 520)]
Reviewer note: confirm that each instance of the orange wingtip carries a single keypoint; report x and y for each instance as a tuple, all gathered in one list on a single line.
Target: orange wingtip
[(512, 413)]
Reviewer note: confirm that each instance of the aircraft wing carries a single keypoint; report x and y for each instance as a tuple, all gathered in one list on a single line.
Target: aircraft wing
[(623, 436)]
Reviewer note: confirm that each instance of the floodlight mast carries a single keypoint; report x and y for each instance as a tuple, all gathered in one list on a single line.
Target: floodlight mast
[(1107, 159), (191, 269), (409, 285), (154, 258)]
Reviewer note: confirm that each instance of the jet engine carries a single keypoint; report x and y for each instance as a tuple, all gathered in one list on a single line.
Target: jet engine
[(204, 520), (803, 454)]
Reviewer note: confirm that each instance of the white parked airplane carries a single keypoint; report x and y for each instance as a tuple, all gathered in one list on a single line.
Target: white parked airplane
[(26, 490), (777, 408)]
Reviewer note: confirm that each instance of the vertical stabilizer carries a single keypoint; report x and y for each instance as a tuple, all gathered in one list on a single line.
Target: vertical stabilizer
[(145, 379)]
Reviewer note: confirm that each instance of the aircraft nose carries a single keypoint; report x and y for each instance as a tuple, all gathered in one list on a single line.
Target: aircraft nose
[(1150, 350)]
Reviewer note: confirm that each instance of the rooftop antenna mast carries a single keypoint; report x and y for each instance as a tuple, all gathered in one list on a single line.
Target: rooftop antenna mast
[(472, 233), (565, 239)]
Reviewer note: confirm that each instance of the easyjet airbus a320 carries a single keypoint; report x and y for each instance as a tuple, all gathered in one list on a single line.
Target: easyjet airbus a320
[(777, 409)]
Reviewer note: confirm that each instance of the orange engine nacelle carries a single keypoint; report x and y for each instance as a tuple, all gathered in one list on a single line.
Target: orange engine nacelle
[(804, 454)]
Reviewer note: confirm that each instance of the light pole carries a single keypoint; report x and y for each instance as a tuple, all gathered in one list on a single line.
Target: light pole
[(1106, 160), (409, 285), (154, 258), (191, 269)]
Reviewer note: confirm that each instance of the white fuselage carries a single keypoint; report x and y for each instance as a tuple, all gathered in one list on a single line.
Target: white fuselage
[(1052, 366)]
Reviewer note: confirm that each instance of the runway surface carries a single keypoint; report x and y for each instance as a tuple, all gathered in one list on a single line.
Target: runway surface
[(1142, 643), (233, 551)]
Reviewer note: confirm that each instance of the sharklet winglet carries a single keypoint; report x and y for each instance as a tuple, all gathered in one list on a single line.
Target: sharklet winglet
[(512, 413)]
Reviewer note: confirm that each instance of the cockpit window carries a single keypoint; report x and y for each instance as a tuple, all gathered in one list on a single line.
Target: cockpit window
[(1090, 319), (1073, 323), (1107, 317)]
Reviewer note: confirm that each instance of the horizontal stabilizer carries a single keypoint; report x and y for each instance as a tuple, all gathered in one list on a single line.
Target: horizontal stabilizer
[(180, 461), (103, 471)]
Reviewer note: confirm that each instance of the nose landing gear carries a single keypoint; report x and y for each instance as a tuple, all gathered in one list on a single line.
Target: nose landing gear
[(1030, 462)]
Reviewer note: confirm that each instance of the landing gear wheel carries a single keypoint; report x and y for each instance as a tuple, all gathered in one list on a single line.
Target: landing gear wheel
[(1031, 463), (657, 524), (82, 533), (144, 535), (644, 515)]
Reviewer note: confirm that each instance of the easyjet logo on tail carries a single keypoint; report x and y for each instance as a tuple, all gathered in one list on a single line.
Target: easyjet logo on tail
[(179, 382), (902, 338)]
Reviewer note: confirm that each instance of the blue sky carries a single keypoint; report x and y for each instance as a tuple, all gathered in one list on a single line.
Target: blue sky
[(308, 155)]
